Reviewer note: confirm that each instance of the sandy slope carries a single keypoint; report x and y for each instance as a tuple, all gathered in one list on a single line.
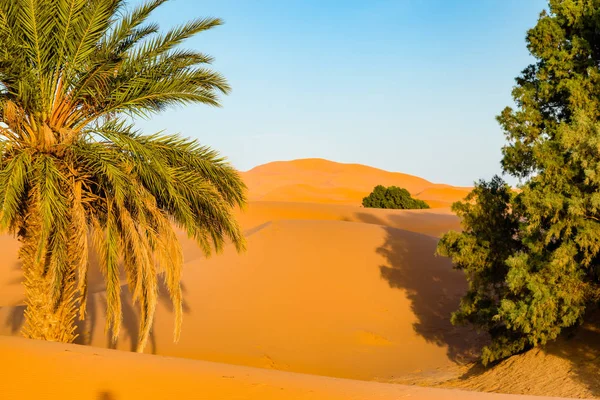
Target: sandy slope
[(323, 181), (313, 294), (430, 222), (568, 367), (31, 370), (325, 289), (442, 196)]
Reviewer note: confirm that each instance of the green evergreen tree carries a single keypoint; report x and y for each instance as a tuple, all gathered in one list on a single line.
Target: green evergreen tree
[(532, 258), (392, 197)]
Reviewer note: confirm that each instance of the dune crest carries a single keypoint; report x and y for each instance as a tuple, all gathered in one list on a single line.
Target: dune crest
[(322, 181)]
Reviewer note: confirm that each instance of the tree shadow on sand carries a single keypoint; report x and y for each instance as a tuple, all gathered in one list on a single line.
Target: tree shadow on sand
[(581, 348), (15, 312), (14, 318), (96, 307), (96, 314), (105, 395), (566, 368), (433, 287), (130, 325)]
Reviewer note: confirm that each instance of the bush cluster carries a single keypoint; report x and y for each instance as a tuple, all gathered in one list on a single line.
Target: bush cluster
[(392, 197)]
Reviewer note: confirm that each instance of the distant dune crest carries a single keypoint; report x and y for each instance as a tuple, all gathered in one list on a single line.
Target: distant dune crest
[(315, 180)]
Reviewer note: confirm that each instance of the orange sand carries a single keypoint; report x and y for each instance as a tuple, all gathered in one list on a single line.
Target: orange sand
[(324, 289), (320, 287), (442, 196), (430, 222), (567, 367), (53, 371), (322, 181)]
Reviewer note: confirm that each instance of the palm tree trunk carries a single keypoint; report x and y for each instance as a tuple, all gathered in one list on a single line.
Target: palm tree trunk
[(47, 316)]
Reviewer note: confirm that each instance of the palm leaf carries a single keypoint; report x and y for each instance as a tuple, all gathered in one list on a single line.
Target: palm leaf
[(75, 177)]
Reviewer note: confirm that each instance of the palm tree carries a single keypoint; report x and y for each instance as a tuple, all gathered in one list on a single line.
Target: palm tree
[(75, 176)]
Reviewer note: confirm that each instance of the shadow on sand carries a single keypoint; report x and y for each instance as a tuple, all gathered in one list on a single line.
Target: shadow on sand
[(568, 367), (96, 306), (105, 395), (14, 318), (582, 348), (433, 287), (130, 324)]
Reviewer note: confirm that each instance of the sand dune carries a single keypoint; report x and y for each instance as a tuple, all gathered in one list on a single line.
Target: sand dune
[(442, 196), (311, 296), (323, 181), (429, 222), (31, 369), (313, 194), (567, 367), (324, 289)]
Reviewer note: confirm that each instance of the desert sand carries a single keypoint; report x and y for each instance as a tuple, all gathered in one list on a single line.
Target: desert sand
[(100, 374), (323, 181), (568, 367), (353, 295), (309, 296)]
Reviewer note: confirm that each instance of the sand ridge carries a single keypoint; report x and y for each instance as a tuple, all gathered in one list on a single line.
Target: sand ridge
[(31, 369), (323, 181)]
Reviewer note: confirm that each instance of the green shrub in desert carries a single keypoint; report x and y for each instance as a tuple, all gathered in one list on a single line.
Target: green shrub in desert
[(392, 197), (532, 257), (75, 175)]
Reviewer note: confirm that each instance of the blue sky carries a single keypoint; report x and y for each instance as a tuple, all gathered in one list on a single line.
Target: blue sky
[(405, 85)]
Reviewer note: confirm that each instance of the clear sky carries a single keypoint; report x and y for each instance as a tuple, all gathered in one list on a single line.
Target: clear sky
[(405, 85)]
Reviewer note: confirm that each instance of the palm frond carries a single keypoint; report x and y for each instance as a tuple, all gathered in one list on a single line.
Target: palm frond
[(14, 181), (129, 30), (164, 43), (75, 177)]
